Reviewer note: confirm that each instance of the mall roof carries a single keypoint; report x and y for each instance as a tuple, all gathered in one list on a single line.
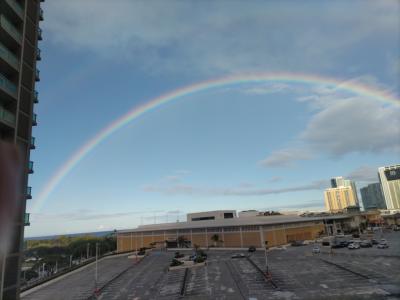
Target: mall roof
[(242, 221)]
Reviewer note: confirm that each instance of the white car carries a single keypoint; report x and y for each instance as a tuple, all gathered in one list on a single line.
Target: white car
[(316, 249), (382, 246), (353, 246)]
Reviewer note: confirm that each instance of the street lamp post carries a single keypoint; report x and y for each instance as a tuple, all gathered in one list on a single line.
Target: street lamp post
[(266, 257)]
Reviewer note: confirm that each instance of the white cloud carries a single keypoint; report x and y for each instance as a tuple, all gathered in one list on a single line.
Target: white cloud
[(191, 190), (189, 36), (286, 157), (354, 125)]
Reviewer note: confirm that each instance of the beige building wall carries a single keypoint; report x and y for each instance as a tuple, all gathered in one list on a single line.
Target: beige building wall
[(248, 236), (337, 199)]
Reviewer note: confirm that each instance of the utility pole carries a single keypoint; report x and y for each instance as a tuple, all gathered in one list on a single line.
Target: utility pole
[(97, 254)]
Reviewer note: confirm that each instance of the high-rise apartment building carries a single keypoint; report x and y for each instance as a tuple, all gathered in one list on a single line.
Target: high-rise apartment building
[(372, 196), (339, 198), (19, 52), (390, 180), (341, 182)]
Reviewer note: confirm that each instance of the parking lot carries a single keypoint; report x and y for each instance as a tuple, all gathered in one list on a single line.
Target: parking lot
[(296, 273)]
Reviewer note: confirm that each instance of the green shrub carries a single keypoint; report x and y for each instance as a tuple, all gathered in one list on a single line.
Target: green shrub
[(175, 263)]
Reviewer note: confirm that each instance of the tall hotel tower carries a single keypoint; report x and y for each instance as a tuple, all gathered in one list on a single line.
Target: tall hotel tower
[(19, 52)]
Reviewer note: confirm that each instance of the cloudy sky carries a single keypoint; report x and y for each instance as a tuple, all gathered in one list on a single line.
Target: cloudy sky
[(249, 146)]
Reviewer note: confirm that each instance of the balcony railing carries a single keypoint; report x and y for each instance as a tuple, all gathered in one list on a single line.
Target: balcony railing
[(16, 7), (28, 192), (34, 119), (9, 57), (38, 56), (41, 14), (30, 167), (14, 32), (37, 75), (35, 97), (7, 117), (39, 33), (32, 145), (8, 86), (26, 219)]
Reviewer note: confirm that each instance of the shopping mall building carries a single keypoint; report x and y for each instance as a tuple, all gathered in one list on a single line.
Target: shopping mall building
[(232, 231)]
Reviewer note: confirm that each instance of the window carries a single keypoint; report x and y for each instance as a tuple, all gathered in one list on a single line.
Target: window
[(228, 215), (203, 218)]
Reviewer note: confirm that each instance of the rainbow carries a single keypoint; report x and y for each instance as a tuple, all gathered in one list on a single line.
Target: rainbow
[(137, 111)]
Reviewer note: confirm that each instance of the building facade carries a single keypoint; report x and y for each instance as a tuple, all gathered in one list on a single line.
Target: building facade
[(232, 233), (337, 182), (389, 178), (19, 52), (339, 198), (372, 197)]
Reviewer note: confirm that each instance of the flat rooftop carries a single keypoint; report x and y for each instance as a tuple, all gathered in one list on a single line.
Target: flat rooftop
[(242, 221)]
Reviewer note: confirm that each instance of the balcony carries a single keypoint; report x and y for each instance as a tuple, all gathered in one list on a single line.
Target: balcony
[(8, 86), (28, 192), (38, 56), (10, 29), (34, 119), (30, 167), (7, 117), (41, 14), (16, 7), (39, 34), (32, 145), (7, 56), (37, 75), (35, 97), (26, 219)]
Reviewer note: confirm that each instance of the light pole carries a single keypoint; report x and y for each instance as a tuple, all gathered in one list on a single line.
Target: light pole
[(70, 261), (97, 253), (266, 257), (87, 251)]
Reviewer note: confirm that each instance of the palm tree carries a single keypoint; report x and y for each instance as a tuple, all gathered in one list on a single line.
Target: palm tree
[(215, 239)]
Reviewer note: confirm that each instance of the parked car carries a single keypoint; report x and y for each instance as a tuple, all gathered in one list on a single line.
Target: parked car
[(296, 243), (316, 249), (374, 242), (336, 246), (365, 244), (238, 255), (383, 241), (353, 246), (383, 246), (252, 249)]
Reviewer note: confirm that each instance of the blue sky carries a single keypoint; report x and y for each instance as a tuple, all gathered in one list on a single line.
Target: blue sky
[(255, 146)]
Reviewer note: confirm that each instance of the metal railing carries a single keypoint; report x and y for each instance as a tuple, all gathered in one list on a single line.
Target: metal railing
[(38, 54), (39, 31), (29, 192), (41, 14), (35, 97), (7, 116), (30, 167), (16, 7), (14, 32), (8, 86), (32, 146), (37, 75), (8, 56), (26, 219), (34, 119)]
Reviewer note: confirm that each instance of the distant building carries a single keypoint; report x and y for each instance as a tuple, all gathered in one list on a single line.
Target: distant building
[(390, 180), (211, 215), (232, 232), (337, 182), (339, 198), (372, 197)]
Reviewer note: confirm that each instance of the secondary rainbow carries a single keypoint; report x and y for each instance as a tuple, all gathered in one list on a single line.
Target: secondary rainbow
[(237, 79)]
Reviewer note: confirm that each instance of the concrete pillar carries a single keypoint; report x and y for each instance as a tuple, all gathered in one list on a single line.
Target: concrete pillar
[(241, 237)]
